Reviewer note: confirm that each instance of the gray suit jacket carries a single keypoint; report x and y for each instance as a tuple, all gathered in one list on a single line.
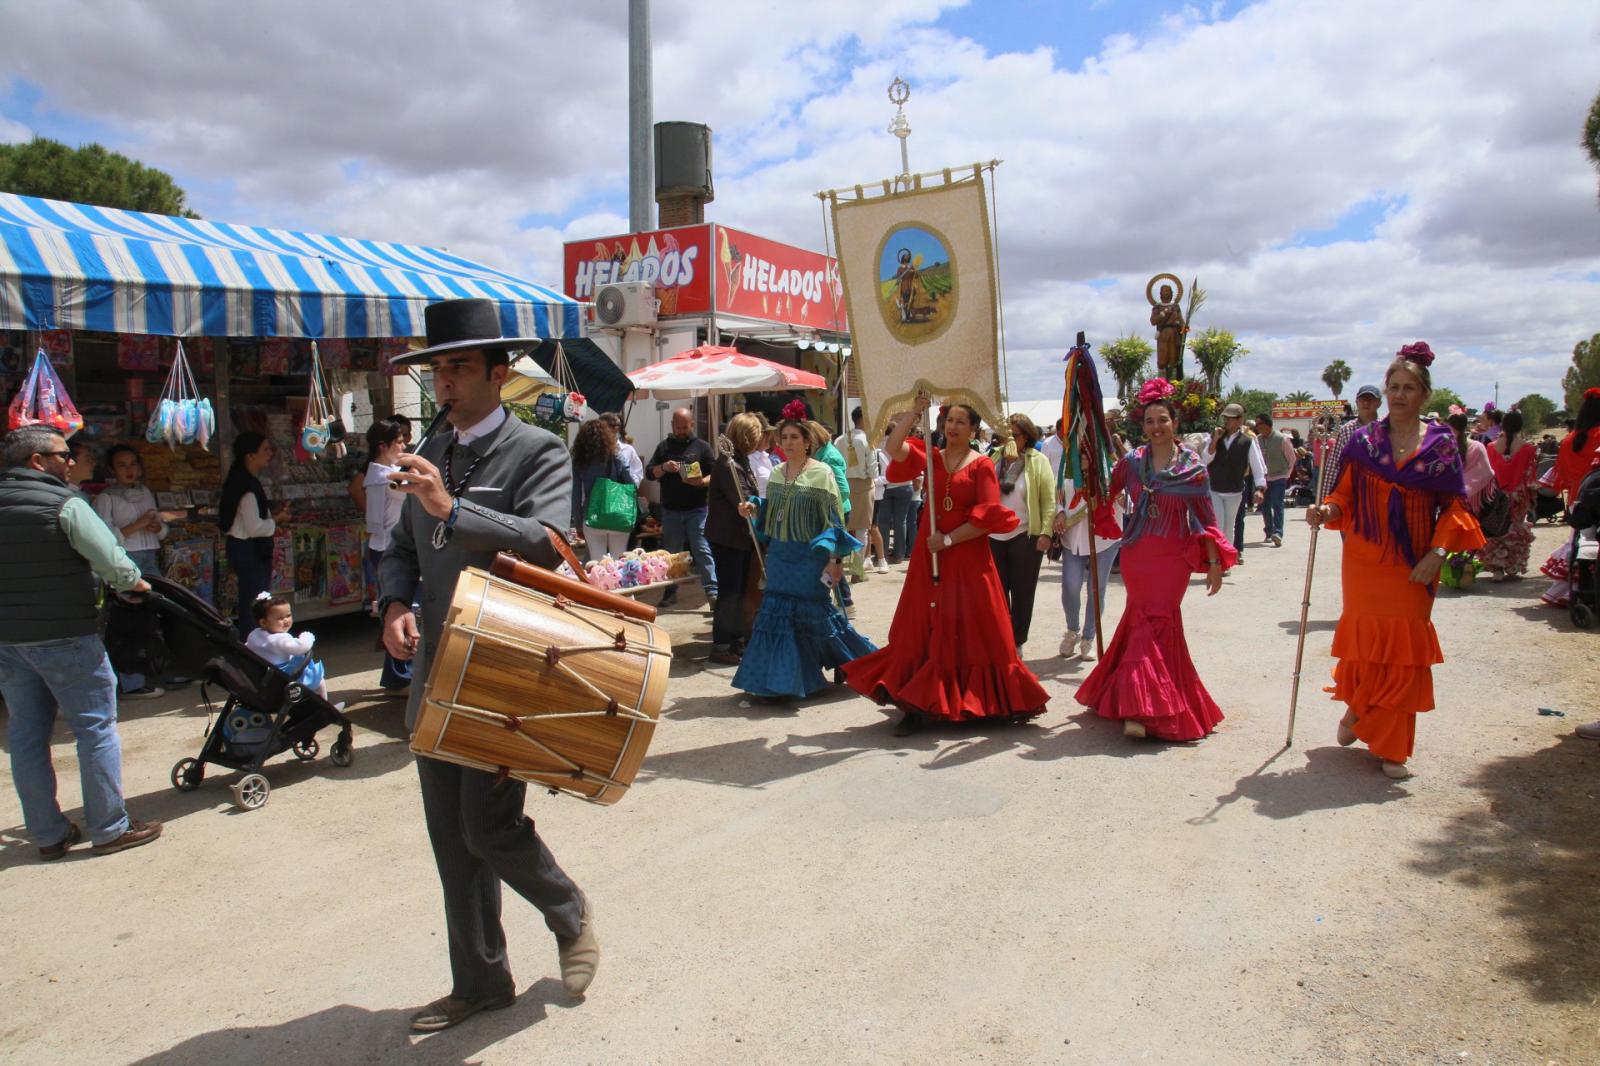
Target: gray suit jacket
[(522, 484)]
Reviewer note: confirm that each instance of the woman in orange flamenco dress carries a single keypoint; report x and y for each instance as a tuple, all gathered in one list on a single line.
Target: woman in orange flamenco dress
[(1148, 679), (950, 655), (1401, 503)]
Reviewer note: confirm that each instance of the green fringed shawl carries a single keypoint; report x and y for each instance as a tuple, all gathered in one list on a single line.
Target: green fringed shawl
[(803, 509)]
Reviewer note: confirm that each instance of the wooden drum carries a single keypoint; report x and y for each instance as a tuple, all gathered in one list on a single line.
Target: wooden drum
[(531, 683)]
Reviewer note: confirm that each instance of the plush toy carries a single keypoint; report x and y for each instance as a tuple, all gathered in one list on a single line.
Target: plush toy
[(632, 574)]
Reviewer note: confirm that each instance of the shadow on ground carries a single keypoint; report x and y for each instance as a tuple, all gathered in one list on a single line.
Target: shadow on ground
[(1536, 849), (354, 1035), (374, 756), (1331, 778)]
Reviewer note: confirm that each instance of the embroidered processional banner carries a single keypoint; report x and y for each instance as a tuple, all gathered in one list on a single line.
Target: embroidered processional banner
[(919, 281)]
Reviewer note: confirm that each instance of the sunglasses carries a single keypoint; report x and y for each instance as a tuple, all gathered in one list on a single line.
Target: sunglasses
[(57, 455)]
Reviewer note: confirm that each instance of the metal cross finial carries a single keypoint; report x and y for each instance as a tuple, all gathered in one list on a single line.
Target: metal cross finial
[(899, 93)]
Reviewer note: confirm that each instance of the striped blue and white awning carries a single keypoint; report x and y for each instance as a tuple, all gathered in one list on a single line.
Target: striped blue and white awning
[(73, 266)]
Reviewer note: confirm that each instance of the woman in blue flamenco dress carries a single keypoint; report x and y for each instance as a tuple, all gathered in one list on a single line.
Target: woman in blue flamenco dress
[(799, 631)]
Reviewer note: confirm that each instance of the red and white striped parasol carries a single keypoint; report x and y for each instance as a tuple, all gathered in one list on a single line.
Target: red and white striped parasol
[(712, 371)]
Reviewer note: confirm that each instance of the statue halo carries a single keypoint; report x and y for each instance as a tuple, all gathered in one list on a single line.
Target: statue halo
[(1149, 289)]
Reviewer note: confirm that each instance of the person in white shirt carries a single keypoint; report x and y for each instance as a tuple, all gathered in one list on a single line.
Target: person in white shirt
[(1226, 456), (860, 460), (761, 461), (289, 654), (386, 442), (249, 523), (129, 508)]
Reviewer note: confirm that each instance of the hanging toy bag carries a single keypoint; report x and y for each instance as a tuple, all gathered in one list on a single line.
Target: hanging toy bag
[(182, 415), (43, 400), (314, 434)]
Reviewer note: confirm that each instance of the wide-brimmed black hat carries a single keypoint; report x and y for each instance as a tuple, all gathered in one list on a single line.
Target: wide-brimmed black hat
[(457, 324)]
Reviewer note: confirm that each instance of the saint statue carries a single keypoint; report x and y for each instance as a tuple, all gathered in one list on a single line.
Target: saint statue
[(1167, 317)]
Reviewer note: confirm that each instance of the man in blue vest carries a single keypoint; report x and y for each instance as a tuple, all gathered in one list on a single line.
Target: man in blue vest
[(52, 548)]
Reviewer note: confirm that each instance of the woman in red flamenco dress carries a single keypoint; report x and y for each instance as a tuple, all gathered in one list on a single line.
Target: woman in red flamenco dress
[(1147, 678), (950, 655)]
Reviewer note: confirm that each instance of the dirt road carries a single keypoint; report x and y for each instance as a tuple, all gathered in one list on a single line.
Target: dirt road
[(801, 887)]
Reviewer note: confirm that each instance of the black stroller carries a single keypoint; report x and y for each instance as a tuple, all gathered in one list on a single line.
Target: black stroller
[(1584, 517), (266, 711)]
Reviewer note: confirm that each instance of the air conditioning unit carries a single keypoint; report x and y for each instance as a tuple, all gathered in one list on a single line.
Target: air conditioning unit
[(625, 304)]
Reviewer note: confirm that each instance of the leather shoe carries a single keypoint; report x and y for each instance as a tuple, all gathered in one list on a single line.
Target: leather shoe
[(443, 1013), (138, 833), (580, 955), (52, 852)]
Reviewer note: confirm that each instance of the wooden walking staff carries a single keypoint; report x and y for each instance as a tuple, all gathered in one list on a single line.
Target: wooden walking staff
[(1305, 614)]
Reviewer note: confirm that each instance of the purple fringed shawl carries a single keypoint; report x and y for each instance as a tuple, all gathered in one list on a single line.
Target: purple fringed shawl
[(1164, 496), (1381, 514)]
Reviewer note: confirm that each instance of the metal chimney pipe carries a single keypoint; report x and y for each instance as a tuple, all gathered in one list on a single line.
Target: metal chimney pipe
[(641, 108)]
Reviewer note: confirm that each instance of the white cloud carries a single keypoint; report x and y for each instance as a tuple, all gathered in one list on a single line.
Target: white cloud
[(1205, 147), (12, 132)]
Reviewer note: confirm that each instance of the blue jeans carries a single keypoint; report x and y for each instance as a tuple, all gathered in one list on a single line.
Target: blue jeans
[(1074, 579), (687, 529), (74, 674), (891, 521), (1272, 507)]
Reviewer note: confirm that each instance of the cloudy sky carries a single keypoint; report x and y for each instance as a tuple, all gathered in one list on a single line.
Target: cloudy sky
[(1343, 175)]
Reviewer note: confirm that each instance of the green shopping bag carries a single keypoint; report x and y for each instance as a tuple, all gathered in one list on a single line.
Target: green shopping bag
[(612, 506)]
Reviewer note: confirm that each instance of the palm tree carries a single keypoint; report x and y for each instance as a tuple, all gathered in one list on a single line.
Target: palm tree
[(1215, 352), (1591, 133), (1126, 358), (1335, 374), (1299, 397)]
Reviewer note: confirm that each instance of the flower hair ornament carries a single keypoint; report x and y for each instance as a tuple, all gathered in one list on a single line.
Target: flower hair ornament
[(1591, 394), (1457, 409), (1489, 407), (1152, 390), (1418, 353), (795, 410), (263, 596)]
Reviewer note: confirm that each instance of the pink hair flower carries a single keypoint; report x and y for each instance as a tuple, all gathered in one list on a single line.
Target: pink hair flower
[(1418, 353), (1154, 389)]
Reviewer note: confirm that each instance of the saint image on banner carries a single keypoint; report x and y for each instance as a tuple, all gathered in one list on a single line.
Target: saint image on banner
[(919, 282)]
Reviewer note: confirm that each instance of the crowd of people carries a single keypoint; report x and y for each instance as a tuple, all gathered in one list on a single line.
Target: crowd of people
[(780, 520)]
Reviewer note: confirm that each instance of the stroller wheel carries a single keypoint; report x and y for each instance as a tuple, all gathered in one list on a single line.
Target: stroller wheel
[(1583, 616), (340, 754), (307, 749), (251, 791), (187, 775)]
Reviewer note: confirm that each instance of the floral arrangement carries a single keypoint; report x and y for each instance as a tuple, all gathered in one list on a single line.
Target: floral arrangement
[(1591, 394), (1418, 353), (1195, 409), (795, 410)]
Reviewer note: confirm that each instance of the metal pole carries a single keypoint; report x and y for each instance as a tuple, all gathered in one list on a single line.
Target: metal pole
[(641, 176)]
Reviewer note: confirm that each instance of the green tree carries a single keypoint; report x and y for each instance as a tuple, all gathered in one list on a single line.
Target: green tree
[(88, 175), (1254, 401), (1440, 399), (1299, 396), (1591, 133), (1537, 411), (1584, 373), (1215, 352), (1335, 374), (1126, 358)]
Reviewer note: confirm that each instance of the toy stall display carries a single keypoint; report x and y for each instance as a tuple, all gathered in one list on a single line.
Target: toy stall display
[(636, 571)]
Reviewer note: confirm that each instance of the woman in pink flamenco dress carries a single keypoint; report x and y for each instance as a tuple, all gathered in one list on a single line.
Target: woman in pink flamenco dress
[(1147, 678)]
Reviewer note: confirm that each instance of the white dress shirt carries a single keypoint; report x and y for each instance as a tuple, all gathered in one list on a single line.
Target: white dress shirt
[(491, 422), (1258, 467)]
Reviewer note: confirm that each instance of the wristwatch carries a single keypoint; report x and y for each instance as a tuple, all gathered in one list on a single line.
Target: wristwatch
[(946, 539), (1440, 552)]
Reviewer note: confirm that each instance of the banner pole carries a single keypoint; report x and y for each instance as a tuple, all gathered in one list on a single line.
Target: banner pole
[(1094, 579), (928, 503)]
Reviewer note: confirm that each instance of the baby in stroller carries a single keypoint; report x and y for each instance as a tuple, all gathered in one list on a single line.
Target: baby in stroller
[(288, 653)]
